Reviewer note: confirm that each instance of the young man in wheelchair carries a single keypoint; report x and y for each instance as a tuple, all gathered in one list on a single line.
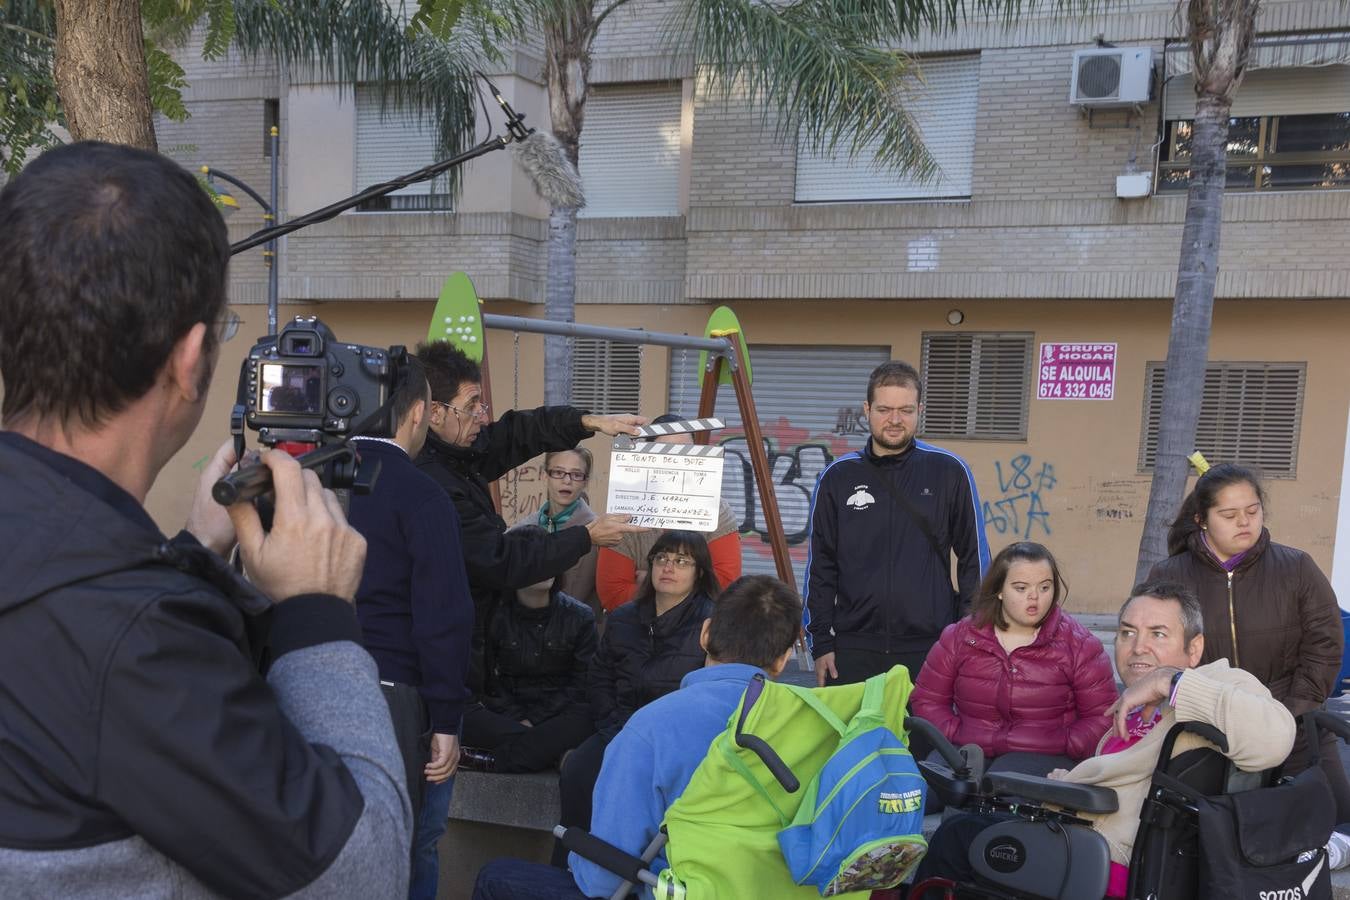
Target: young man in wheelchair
[(1159, 642)]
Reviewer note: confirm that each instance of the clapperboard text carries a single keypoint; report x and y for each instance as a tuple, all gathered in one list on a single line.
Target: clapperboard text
[(668, 485)]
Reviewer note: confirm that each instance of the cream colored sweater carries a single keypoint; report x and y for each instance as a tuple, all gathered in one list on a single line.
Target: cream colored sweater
[(1260, 734)]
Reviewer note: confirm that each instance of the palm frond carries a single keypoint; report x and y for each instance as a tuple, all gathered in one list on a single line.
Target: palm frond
[(370, 42), (819, 67), (28, 101)]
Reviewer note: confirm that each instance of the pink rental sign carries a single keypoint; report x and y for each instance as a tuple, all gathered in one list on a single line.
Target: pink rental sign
[(1076, 372)]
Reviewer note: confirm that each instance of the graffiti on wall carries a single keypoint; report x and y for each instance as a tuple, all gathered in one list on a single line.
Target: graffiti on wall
[(1018, 509), (523, 490)]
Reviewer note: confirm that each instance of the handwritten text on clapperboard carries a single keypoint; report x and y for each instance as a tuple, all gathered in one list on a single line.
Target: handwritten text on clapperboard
[(661, 490)]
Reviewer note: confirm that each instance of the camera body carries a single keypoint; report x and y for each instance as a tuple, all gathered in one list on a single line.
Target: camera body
[(305, 386)]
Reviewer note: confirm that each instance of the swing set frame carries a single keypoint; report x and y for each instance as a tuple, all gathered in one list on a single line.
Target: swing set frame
[(724, 355)]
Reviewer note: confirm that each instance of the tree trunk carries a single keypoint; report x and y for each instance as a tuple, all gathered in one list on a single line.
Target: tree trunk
[(1188, 342), (567, 46), (1220, 37), (100, 71), (560, 304)]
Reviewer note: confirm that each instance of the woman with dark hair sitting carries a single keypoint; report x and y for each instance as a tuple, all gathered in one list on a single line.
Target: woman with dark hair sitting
[(649, 645), (1268, 608), (1019, 676), (538, 652)]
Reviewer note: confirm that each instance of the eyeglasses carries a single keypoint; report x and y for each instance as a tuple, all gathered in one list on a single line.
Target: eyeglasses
[(564, 475), (886, 413), (661, 560), (228, 326), (473, 412)]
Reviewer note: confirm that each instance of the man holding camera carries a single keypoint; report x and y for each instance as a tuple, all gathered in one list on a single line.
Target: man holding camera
[(141, 753), (466, 450)]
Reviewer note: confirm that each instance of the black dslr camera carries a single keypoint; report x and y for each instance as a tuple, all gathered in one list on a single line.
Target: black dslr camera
[(306, 392)]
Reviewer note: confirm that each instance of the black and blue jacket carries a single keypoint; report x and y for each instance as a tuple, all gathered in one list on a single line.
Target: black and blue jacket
[(873, 580)]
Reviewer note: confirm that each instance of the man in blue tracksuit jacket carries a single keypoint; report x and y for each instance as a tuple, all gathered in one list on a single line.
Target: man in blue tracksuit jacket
[(885, 522)]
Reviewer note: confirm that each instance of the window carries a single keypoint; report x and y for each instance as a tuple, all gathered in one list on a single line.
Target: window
[(630, 150), (976, 386), (393, 141), (943, 107), (1250, 413), (1290, 125), (606, 376), (1278, 153)]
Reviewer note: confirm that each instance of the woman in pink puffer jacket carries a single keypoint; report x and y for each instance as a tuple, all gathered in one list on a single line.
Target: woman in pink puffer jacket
[(1019, 675)]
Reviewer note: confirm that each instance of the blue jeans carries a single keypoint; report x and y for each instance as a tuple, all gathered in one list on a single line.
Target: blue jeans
[(427, 831), (516, 879)]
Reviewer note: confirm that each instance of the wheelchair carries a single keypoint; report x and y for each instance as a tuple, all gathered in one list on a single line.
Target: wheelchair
[(1042, 848)]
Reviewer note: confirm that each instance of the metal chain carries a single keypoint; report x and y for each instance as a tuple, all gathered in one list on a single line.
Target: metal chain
[(515, 374), (684, 379)]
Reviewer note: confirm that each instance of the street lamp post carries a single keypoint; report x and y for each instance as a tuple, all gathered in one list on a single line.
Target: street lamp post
[(269, 219)]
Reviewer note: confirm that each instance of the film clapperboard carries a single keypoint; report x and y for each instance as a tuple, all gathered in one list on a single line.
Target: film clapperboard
[(667, 485)]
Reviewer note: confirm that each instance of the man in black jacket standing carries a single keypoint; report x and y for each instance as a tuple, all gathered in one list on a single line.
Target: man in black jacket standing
[(466, 451), (141, 752), (885, 522), (416, 613)]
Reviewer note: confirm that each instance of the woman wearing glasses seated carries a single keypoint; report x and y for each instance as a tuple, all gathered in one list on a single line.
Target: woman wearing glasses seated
[(648, 646), (1019, 676), (621, 569), (568, 472)]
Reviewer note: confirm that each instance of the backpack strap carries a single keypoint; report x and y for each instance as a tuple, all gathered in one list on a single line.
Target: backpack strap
[(808, 696), (728, 751), (873, 700)]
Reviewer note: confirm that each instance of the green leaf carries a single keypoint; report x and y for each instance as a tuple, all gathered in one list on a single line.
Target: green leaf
[(167, 80), (28, 100), (220, 27), (436, 17)]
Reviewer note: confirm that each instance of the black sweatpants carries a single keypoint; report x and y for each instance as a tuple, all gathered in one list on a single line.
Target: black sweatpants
[(855, 665), (526, 748)]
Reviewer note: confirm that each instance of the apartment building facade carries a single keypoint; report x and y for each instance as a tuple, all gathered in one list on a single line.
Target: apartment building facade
[(1036, 301)]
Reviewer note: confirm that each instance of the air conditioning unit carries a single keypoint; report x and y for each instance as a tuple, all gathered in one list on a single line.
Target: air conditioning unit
[(1111, 76)]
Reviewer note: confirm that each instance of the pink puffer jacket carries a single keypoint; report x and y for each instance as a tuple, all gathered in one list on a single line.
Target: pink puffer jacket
[(1047, 697)]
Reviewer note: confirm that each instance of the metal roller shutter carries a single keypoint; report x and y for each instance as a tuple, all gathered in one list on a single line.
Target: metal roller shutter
[(393, 145), (976, 385), (1250, 413), (1271, 92), (630, 151), (944, 109), (605, 375), (809, 400)]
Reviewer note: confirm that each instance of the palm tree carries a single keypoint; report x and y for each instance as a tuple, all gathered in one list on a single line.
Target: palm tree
[(1220, 35), (817, 65)]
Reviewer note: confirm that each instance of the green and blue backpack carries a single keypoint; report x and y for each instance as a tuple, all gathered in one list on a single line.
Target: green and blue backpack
[(855, 825)]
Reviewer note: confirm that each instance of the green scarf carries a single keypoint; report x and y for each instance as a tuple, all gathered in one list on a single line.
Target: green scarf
[(552, 524)]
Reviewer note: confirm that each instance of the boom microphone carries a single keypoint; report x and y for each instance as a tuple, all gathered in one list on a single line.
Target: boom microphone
[(541, 157)]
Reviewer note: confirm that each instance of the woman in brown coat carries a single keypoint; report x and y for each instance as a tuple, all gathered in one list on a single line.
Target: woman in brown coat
[(1267, 608)]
